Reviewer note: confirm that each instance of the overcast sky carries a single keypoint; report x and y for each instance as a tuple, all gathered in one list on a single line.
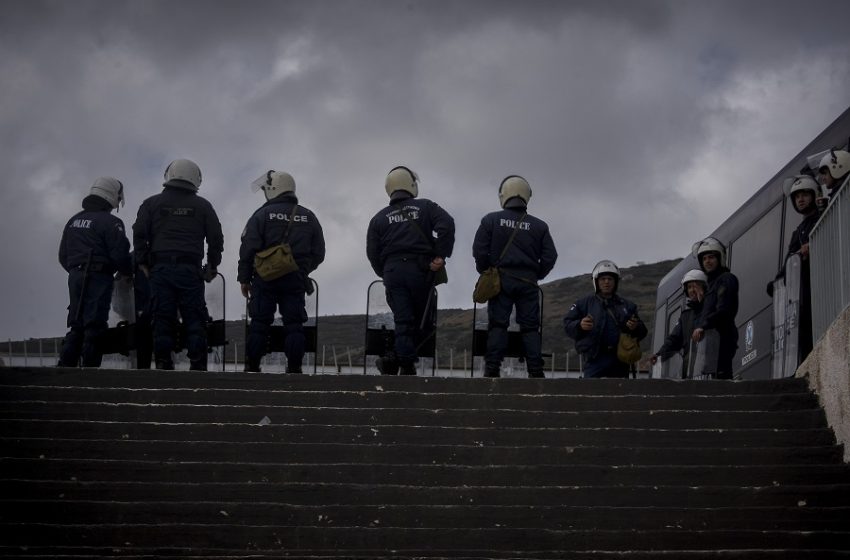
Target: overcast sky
[(640, 125)]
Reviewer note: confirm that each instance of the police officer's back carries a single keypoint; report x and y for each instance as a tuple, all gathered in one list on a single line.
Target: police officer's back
[(168, 238), (280, 219), (522, 248), (403, 251), (93, 248)]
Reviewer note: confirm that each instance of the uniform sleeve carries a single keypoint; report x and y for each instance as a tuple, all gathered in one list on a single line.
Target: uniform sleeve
[(481, 246), (141, 235), (444, 226), (119, 248), (640, 331), (548, 256), (373, 248), (573, 319), (251, 243), (63, 251), (673, 342), (317, 246), (215, 237)]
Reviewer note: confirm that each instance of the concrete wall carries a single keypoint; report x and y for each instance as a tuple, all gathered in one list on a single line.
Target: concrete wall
[(828, 371)]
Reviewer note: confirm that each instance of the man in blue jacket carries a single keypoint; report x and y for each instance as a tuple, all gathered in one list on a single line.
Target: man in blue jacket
[(281, 216), (720, 305), (521, 247), (407, 243), (93, 248), (596, 321)]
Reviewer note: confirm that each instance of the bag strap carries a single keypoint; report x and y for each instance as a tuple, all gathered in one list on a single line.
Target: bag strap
[(510, 239), (412, 222), (611, 313), (289, 225)]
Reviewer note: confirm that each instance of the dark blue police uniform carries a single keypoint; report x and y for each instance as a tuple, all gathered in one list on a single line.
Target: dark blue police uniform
[(93, 248), (265, 228), (719, 308), (168, 237), (530, 256), (400, 254)]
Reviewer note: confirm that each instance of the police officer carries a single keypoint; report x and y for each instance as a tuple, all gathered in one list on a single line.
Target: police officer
[(694, 285), (280, 216), (93, 248), (802, 195), (400, 252), (720, 305), (596, 321), (529, 255), (834, 170), (168, 238)]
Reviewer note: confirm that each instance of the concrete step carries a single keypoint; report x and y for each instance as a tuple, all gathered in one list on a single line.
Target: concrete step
[(682, 419)]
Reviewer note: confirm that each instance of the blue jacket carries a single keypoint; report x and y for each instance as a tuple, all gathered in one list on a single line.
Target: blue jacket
[(95, 231), (175, 223), (606, 331), (267, 226), (391, 235), (531, 253)]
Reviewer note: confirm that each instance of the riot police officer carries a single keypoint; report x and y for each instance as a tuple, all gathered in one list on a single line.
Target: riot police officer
[(407, 244), (522, 249), (168, 238), (596, 321), (694, 285), (280, 219), (834, 170), (93, 248), (720, 305)]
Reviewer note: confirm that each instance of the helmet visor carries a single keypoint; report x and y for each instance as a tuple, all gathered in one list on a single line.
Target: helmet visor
[(262, 181)]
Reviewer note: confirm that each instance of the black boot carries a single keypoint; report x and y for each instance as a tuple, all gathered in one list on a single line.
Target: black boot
[(293, 369), (407, 369), (491, 371), (252, 366), (387, 365), (536, 374), (167, 365), (198, 365)]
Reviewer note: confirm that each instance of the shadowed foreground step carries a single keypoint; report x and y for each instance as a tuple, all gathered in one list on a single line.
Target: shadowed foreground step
[(211, 465)]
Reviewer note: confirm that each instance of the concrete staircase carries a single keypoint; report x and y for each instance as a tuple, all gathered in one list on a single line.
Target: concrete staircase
[(145, 464)]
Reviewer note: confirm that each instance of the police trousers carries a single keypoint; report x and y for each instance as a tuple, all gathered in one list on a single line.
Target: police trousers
[(88, 315), (525, 297), (407, 286), (178, 287), (287, 294)]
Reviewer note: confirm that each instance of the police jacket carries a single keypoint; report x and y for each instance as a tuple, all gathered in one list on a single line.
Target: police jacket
[(606, 330), (391, 235), (531, 253), (680, 338), (173, 224), (267, 226), (720, 304), (97, 233)]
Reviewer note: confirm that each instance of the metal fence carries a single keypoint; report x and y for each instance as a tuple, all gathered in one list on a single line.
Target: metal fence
[(829, 246)]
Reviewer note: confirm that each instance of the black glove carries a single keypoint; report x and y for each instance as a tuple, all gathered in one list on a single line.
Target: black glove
[(209, 273)]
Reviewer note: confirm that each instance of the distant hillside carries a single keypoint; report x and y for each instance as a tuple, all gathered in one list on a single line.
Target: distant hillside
[(454, 328)]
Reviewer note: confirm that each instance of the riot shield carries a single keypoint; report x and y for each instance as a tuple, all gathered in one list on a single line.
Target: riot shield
[(275, 359), (214, 295), (514, 353), (380, 331), (779, 310), (793, 268), (118, 343), (706, 353)]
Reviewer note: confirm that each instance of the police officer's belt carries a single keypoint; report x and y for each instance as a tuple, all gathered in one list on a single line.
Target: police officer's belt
[(166, 258)]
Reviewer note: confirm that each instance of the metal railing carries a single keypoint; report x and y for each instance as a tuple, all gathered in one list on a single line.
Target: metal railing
[(829, 247)]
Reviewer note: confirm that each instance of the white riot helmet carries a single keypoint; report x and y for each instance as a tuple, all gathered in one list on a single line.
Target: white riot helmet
[(694, 276), (836, 162), (803, 183), (109, 189), (274, 183), (183, 174), (605, 267), (709, 245), (514, 186), (402, 179)]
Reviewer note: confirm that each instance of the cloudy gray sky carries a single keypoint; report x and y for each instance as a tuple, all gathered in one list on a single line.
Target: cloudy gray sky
[(640, 124)]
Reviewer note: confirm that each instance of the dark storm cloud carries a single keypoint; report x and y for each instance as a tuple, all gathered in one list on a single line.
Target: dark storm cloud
[(640, 125)]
